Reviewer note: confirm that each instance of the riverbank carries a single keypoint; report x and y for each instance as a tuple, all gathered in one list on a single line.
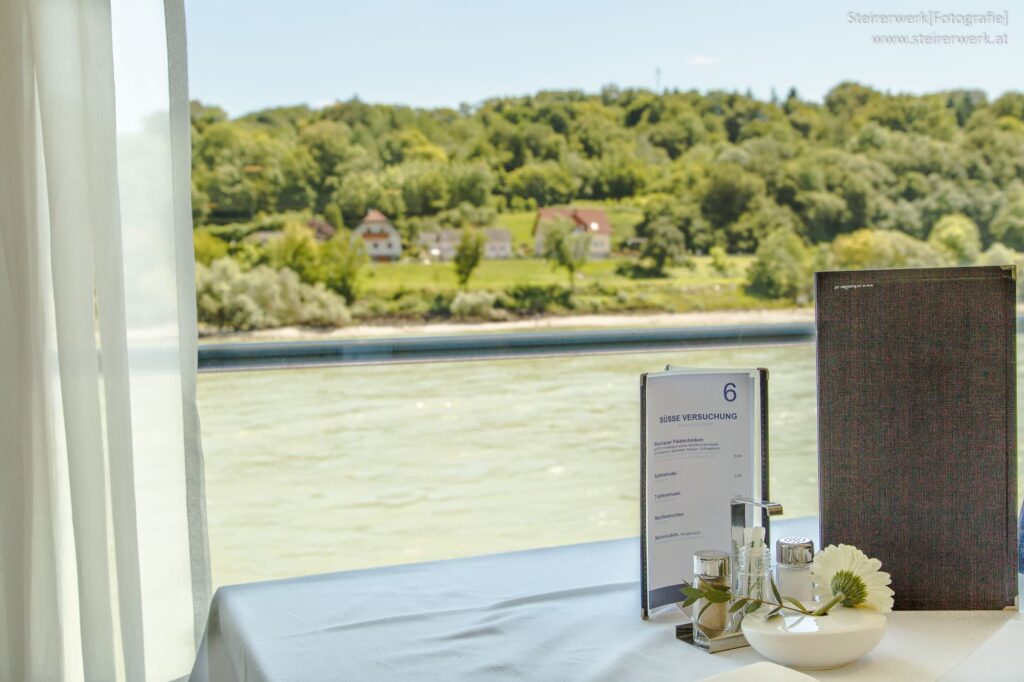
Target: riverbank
[(549, 323)]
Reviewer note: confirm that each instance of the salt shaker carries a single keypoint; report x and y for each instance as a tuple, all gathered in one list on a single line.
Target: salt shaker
[(793, 557)]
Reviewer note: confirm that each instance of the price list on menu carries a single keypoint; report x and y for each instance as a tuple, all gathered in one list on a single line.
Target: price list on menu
[(703, 444)]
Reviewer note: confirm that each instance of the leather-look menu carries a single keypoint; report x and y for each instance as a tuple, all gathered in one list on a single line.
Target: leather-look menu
[(917, 428)]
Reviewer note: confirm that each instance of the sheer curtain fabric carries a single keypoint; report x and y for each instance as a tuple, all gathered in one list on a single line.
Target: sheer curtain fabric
[(103, 564)]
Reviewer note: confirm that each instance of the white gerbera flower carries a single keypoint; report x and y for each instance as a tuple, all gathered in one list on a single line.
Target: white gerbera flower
[(848, 570)]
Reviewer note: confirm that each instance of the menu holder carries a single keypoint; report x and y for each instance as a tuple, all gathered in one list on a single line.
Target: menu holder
[(703, 442)]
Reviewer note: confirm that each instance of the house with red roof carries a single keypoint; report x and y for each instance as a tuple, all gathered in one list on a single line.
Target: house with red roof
[(382, 239), (592, 221)]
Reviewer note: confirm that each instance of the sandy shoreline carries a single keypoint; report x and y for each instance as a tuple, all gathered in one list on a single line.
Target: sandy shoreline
[(691, 319)]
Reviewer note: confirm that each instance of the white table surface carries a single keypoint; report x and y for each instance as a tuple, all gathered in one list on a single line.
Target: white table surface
[(562, 613)]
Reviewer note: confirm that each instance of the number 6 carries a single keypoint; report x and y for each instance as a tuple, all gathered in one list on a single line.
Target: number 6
[(729, 392)]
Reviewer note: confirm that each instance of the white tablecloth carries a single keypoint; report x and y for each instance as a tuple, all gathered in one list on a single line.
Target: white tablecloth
[(563, 613)]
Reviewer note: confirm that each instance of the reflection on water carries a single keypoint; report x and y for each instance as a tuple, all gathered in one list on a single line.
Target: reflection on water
[(315, 470)]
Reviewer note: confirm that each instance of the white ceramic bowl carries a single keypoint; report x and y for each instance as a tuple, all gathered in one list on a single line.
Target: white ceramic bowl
[(815, 642)]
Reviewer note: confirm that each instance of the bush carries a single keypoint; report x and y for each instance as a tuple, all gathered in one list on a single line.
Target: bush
[(867, 248), (473, 305), (781, 268), (273, 222), (958, 236), (295, 248), (207, 247), (535, 299), (411, 304), (719, 261), (229, 298), (998, 254)]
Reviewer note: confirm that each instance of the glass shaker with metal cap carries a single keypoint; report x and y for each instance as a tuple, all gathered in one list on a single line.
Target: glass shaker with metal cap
[(793, 557), (711, 570)]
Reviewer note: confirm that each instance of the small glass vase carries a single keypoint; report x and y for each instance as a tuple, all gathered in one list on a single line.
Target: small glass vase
[(753, 573)]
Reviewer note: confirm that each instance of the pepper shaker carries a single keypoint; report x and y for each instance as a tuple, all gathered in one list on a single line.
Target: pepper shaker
[(711, 570)]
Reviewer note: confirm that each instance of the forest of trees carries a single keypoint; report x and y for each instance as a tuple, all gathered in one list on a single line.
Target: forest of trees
[(724, 169)]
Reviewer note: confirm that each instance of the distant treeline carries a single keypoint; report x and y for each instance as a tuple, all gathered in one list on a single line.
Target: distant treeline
[(726, 169)]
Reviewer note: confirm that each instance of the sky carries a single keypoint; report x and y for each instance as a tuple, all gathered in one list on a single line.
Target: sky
[(249, 55)]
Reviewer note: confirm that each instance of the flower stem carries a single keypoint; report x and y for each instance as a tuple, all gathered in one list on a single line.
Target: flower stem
[(825, 609), (765, 602)]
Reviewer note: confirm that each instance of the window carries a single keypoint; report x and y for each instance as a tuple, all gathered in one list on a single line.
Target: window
[(670, 197)]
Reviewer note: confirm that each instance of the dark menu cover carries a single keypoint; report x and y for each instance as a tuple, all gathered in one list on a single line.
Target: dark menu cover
[(917, 429)]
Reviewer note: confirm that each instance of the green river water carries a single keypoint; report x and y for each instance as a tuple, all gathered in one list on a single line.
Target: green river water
[(327, 469)]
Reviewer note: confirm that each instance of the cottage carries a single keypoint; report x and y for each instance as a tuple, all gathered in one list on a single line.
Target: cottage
[(498, 244), (442, 244), (592, 221), (383, 242)]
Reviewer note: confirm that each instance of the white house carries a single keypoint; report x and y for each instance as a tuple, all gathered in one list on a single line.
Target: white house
[(442, 244), (592, 221), (498, 244), (383, 241)]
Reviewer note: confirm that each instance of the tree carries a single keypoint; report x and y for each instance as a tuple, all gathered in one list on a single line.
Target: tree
[(359, 192), (724, 168), (470, 183), (958, 236), (730, 191), (1008, 226), (296, 249), (424, 186), (763, 216), (468, 254), (332, 214), (565, 247), (781, 268), (328, 145), (547, 183), (664, 246), (342, 257)]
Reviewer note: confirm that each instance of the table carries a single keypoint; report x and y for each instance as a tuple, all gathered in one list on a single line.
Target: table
[(560, 613)]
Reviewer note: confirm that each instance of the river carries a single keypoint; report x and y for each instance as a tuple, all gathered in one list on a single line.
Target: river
[(327, 469)]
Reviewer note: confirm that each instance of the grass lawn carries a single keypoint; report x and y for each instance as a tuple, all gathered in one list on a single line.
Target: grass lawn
[(386, 279), (599, 289)]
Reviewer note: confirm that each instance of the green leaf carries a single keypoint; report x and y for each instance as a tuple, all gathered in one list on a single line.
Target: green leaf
[(717, 596), (754, 605), (775, 590), (690, 601), (795, 603), (773, 612), (693, 592), (740, 603)]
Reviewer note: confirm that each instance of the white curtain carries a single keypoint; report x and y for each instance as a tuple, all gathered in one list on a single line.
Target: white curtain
[(104, 571)]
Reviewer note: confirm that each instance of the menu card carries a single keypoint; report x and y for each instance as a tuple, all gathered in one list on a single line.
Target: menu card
[(917, 429), (704, 441)]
